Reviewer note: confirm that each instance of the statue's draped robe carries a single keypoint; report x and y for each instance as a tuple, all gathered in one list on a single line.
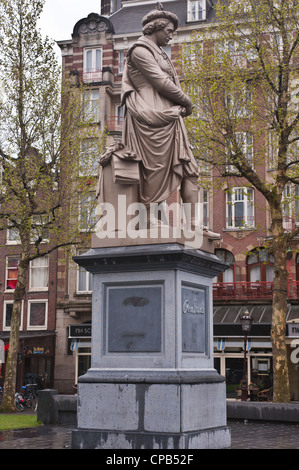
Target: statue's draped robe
[(153, 126)]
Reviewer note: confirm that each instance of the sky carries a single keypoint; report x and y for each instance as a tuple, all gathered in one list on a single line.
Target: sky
[(60, 16)]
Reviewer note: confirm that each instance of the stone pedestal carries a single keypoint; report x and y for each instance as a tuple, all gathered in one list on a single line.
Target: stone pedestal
[(152, 383)]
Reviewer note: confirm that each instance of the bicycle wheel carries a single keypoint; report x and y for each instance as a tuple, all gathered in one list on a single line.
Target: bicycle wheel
[(29, 403), (34, 404), (19, 406)]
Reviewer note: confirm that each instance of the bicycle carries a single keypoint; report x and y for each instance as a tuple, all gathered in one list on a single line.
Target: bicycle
[(30, 396)]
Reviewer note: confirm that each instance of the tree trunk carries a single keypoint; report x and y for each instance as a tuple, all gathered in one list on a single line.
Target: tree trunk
[(8, 402), (279, 310)]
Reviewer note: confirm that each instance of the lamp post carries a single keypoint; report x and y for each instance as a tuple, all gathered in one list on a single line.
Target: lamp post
[(246, 321)]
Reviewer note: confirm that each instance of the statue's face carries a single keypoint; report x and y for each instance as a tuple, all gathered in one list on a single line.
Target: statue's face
[(164, 35)]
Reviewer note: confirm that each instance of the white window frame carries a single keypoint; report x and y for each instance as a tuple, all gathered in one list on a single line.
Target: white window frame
[(92, 65), (239, 108), (196, 10), (89, 157), (37, 327), (121, 62), (89, 199), (245, 140), (32, 267), (6, 271), (235, 196), (11, 237), (10, 302), (40, 220), (204, 207), (91, 107), (88, 281)]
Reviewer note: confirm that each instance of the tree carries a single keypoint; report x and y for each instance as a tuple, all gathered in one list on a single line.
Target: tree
[(40, 150), (242, 70)]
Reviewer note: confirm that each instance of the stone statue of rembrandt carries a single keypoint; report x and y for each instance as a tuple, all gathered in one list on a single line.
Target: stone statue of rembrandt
[(154, 109), (153, 128)]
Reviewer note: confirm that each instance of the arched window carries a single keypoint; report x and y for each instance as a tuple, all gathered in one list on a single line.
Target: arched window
[(227, 257), (260, 265)]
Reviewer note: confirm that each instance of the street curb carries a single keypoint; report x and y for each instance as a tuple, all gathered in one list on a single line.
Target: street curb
[(265, 411)]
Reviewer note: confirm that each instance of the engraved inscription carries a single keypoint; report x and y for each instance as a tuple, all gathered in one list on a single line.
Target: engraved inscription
[(134, 319), (193, 320)]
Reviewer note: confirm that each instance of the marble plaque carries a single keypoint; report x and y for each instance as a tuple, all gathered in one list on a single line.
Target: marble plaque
[(193, 320), (134, 315)]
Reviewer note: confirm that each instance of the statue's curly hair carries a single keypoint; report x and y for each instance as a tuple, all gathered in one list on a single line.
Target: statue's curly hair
[(155, 25)]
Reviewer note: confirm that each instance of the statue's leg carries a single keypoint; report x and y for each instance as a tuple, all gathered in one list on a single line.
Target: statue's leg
[(189, 195)]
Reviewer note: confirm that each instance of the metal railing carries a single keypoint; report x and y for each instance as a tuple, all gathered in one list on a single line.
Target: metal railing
[(92, 75), (250, 290)]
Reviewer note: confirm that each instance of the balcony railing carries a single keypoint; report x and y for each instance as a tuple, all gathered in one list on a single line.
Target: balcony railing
[(92, 75), (250, 290)]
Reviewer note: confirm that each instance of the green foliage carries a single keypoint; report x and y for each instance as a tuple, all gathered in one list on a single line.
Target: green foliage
[(245, 81), (40, 145)]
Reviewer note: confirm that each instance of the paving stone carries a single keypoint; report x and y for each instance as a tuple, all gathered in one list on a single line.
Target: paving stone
[(244, 435)]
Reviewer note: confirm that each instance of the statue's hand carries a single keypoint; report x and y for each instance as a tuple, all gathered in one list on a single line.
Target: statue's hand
[(129, 155), (189, 109), (183, 112), (186, 111)]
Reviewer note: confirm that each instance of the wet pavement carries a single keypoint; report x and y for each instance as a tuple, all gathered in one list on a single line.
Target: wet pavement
[(244, 435)]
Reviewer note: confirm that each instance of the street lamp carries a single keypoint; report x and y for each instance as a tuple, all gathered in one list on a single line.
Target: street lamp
[(246, 321)]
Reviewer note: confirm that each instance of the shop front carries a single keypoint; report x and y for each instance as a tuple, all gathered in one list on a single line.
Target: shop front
[(80, 344), (229, 348), (35, 359)]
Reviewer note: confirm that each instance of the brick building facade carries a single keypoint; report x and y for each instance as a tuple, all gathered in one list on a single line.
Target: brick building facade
[(95, 56), (36, 355)]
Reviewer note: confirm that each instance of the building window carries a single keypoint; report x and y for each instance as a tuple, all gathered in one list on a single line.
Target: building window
[(239, 208), (239, 103), (13, 236), (229, 274), (244, 144), (91, 108), (92, 65), (88, 164), (120, 114), (12, 263), (87, 212), (115, 5), (7, 313), (40, 230), (84, 281), (39, 273), (260, 266), (37, 314), (121, 61), (272, 149), (196, 10), (204, 207)]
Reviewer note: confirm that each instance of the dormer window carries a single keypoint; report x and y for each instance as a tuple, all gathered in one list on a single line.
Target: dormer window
[(196, 10), (92, 65)]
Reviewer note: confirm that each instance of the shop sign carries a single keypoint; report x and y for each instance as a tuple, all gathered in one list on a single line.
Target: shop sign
[(79, 331), (38, 350), (293, 329)]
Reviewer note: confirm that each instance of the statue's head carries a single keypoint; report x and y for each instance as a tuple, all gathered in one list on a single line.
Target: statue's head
[(158, 19)]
